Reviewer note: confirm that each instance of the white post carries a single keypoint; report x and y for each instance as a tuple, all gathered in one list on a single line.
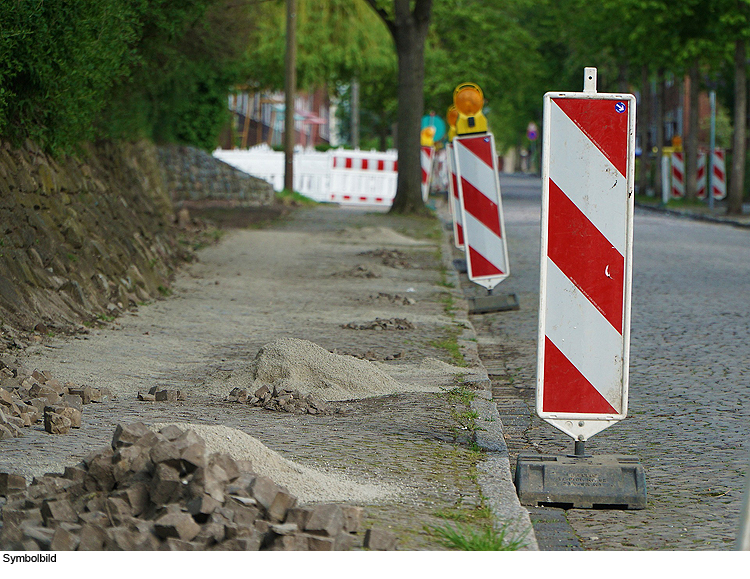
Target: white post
[(589, 79), (743, 536), (665, 165)]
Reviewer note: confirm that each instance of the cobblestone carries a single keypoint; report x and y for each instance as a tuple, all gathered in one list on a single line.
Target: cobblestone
[(405, 439), (689, 413)]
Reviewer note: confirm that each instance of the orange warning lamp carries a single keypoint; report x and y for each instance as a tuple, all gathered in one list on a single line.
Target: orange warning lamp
[(427, 137), (468, 99), (452, 117)]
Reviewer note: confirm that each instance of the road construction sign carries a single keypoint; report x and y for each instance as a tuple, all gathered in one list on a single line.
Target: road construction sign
[(586, 260), (481, 209)]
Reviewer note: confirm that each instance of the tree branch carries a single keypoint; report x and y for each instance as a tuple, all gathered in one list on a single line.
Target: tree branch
[(383, 16), (422, 10)]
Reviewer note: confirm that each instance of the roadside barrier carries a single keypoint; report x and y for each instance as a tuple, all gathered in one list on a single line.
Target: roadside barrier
[(339, 176), (678, 175)]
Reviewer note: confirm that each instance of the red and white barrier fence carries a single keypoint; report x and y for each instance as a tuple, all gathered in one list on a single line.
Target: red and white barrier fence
[(340, 176)]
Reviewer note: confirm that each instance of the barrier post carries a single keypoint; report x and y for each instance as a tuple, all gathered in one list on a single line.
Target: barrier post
[(584, 304)]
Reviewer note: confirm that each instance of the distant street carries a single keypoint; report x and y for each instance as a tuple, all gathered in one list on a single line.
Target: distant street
[(689, 410)]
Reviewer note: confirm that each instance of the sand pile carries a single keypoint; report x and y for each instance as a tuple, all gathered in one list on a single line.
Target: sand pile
[(307, 484), (305, 366)]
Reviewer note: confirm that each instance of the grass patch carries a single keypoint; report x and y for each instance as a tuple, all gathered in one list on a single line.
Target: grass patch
[(165, 291), (105, 318), (450, 344), (293, 198), (486, 538)]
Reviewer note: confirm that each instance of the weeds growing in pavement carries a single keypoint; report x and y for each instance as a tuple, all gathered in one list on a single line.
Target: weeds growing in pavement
[(487, 538)]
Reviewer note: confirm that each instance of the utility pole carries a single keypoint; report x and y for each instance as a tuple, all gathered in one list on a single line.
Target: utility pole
[(290, 88), (355, 114)]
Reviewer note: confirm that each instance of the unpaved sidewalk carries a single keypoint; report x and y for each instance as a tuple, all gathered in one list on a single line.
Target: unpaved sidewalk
[(307, 277)]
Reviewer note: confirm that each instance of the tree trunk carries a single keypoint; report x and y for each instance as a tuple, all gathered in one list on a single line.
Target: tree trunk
[(691, 143), (737, 180), (290, 89), (660, 95), (644, 124), (409, 30), (410, 49)]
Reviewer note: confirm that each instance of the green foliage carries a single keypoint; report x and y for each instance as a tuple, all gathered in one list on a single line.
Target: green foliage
[(58, 61), (466, 538), (75, 71)]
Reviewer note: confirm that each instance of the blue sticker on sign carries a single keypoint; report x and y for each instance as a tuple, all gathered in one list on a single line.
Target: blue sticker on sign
[(620, 107)]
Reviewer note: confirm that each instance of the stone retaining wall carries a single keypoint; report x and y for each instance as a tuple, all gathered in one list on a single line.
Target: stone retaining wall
[(81, 236), (194, 175)]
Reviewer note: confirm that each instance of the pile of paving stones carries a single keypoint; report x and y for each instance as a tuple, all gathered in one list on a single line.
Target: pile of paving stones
[(393, 299), (358, 271), (390, 257), (165, 491), (281, 399), (28, 399), (381, 324), (159, 394)]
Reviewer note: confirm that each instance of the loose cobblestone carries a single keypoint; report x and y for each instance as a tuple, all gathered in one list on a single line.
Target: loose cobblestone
[(689, 414)]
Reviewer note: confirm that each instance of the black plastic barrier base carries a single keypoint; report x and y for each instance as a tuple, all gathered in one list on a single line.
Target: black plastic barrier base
[(492, 303), (591, 482)]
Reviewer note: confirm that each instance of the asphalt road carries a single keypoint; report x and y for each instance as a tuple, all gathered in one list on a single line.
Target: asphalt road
[(689, 410)]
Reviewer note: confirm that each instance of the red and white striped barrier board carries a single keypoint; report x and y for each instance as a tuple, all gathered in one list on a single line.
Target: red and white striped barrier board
[(587, 215), (453, 202), (678, 175), (482, 209), (700, 176), (719, 170), (363, 178), (427, 157)]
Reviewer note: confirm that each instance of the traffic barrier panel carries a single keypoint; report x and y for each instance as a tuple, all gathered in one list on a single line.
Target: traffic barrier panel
[(586, 261), (427, 155), (481, 209), (678, 175), (719, 170), (363, 177), (455, 203)]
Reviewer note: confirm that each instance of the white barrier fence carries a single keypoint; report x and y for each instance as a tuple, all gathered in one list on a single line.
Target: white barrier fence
[(341, 176)]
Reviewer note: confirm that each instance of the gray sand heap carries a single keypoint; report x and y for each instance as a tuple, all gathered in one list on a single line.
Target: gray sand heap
[(307, 484), (290, 363)]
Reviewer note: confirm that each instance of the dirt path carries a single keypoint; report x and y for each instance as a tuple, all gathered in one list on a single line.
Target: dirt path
[(305, 277)]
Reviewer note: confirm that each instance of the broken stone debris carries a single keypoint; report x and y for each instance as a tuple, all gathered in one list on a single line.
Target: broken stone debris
[(25, 399), (381, 324), (390, 257), (164, 491), (393, 299), (159, 394), (358, 271), (282, 399), (371, 355)]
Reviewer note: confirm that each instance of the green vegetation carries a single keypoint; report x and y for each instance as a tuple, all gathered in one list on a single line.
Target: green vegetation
[(488, 538), (294, 198), (450, 344), (76, 71)]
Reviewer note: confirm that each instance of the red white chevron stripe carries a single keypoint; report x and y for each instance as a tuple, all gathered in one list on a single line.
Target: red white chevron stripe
[(427, 156), (678, 175), (482, 210), (586, 249), (719, 181), (453, 202)]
